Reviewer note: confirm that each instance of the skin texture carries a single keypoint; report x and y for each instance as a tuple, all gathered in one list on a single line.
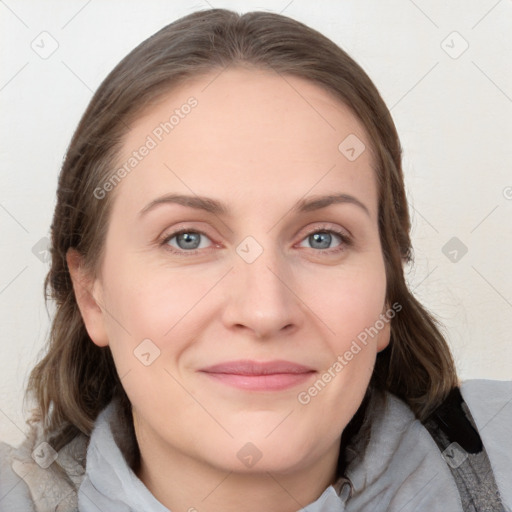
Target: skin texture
[(258, 142)]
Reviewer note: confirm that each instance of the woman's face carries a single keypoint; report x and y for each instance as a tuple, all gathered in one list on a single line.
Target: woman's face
[(266, 270)]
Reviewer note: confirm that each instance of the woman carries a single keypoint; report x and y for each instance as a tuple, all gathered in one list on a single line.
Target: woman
[(206, 354)]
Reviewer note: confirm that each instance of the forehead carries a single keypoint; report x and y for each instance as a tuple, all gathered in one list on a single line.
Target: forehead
[(247, 134)]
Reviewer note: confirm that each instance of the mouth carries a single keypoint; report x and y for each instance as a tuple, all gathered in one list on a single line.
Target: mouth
[(259, 376)]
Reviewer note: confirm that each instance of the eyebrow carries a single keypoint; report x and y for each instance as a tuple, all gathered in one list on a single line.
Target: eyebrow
[(217, 208)]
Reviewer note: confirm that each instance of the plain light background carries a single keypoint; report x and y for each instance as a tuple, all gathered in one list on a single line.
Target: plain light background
[(443, 69)]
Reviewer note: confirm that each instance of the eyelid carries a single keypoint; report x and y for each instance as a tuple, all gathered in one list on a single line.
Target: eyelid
[(326, 226)]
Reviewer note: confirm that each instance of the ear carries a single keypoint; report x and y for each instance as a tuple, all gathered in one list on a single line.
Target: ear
[(88, 293), (384, 336)]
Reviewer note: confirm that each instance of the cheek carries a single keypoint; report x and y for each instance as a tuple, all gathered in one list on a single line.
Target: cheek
[(153, 302), (147, 314), (351, 302), (354, 314)]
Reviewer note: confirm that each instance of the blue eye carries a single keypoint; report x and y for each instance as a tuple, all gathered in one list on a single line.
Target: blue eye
[(189, 242), (323, 238)]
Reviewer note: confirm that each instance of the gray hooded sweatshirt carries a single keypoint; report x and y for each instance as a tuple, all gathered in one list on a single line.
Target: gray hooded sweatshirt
[(400, 468)]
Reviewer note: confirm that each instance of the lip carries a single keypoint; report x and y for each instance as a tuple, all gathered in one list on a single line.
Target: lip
[(259, 376)]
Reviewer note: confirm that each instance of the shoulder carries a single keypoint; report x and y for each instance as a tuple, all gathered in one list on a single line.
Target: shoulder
[(490, 404), (14, 493), (493, 392), (35, 477)]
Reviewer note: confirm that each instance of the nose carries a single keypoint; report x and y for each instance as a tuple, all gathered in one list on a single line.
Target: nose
[(261, 298)]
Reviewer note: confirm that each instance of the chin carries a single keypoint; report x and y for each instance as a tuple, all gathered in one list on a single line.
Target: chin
[(261, 452)]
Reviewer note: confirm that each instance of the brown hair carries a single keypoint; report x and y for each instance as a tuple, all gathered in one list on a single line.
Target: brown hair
[(76, 379)]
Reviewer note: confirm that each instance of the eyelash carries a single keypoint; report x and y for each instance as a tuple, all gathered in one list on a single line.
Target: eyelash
[(346, 241)]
